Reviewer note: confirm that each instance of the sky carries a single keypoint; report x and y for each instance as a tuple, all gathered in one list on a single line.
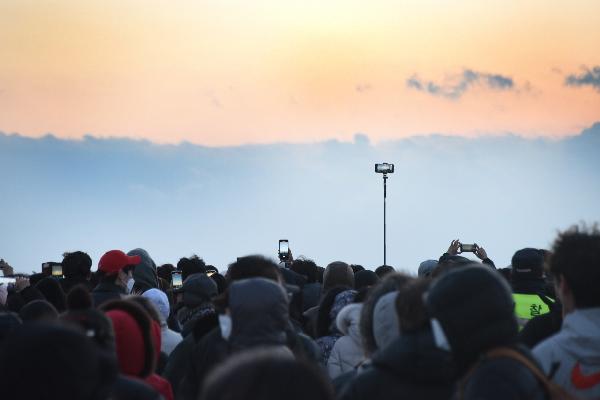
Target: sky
[(501, 192), (228, 72)]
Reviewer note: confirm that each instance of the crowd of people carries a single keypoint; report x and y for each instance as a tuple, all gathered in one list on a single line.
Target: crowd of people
[(461, 328)]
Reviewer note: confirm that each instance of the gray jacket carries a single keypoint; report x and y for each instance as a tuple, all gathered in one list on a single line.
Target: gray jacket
[(573, 354)]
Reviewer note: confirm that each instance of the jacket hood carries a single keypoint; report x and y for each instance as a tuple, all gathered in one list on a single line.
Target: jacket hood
[(414, 358), (160, 301), (348, 320), (144, 274), (386, 327), (259, 313), (135, 338), (580, 330)]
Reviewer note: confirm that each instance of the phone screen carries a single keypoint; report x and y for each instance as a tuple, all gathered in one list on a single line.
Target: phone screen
[(284, 247), (57, 270), (467, 247), (176, 279)]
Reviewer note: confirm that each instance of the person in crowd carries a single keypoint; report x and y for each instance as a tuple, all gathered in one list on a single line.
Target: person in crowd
[(472, 316), (169, 338), (190, 266), (8, 322), (311, 291), (50, 361), (381, 327), (327, 333), (220, 281), (115, 269), (144, 273), (356, 268), (98, 327), (76, 268), (38, 310), (365, 279), (410, 366), (383, 270), (451, 256), (287, 378), (337, 273), (529, 286), (198, 291), (53, 292), (164, 272), (426, 268), (137, 342), (256, 316), (347, 352), (572, 356)]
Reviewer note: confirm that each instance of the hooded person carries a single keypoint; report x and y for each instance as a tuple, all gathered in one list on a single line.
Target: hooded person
[(347, 352), (472, 316), (198, 291), (50, 361), (98, 327), (137, 342), (410, 366), (115, 270), (386, 327), (257, 317), (145, 276), (169, 338)]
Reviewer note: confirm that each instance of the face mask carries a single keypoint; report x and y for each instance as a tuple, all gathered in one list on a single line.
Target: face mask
[(225, 325), (129, 285), (441, 341)]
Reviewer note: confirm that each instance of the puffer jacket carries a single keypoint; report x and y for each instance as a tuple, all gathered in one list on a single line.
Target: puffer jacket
[(347, 352)]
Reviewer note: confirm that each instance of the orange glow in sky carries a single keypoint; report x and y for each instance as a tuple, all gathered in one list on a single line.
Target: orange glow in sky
[(229, 72)]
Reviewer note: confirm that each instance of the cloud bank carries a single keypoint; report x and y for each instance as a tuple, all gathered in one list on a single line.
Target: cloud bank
[(503, 193), (588, 77), (457, 85)]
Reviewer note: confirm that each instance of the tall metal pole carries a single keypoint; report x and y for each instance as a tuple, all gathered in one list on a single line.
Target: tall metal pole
[(384, 233)]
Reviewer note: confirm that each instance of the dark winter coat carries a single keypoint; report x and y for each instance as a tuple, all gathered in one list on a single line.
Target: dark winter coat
[(411, 367), (106, 291)]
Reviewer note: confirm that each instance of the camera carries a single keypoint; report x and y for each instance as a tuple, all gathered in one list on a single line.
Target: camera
[(384, 168)]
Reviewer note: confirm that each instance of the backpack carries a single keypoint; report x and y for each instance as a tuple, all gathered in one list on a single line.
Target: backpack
[(553, 390)]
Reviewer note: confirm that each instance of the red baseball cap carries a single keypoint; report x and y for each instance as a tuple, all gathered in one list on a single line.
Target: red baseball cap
[(115, 260)]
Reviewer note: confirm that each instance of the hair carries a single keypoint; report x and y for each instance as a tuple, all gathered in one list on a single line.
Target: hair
[(38, 310), (253, 266), (220, 281), (337, 273), (365, 279), (383, 270), (323, 318), (576, 259), (164, 271), (448, 263), (190, 266), (307, 268), (412, 314), (76, 264), (390, 283), (79, 298), (53, 292), (357, 268), (266, 374)]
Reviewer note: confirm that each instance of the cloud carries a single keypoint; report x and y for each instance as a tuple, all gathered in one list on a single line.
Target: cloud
[(588, 77), (457, 85), (222, 202)]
